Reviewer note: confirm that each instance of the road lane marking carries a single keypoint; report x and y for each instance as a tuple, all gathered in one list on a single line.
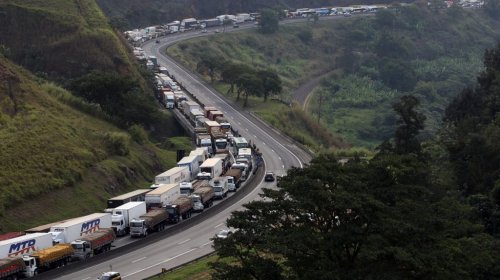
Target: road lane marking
[(219, 225), (138, 260), (86, 278), (157, 264), (203, 245), (182, 242)]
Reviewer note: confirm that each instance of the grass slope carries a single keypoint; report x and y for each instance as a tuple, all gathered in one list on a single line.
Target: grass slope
[(61, 39), (57, 162)]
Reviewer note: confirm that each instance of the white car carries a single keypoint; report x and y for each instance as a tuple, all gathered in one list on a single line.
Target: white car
[(224, 233)]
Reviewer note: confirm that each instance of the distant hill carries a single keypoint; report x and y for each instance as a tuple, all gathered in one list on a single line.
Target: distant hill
[(60, 156), (141, 13), (61, 39)]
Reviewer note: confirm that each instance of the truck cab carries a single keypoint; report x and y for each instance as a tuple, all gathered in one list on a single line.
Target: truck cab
[(169, 100), (220, 187), (31, 266), (118, 224), (243, 167), (197, 203), (138, 227), (204, 176), (231, 184), (82, 249)]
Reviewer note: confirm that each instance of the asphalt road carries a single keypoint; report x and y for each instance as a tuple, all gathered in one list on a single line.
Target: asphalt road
[(192, 238)]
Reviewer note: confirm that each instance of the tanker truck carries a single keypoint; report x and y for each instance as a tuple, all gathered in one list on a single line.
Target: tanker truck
[(202, 198)]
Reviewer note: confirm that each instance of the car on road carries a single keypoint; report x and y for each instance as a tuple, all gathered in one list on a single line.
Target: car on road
[(204, 31), (111, 275), (224, 233), (269, 177)]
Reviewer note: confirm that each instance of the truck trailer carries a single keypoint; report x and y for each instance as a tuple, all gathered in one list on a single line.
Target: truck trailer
[(122, 215), (93, 244), (154, 220), (80, 227), (137, 195), (174, 175), (180, 209), (203, 198), (210, 168), (163, 195), (233, 176), (25, 244), (52, 257), (201, 154), (192, 163)]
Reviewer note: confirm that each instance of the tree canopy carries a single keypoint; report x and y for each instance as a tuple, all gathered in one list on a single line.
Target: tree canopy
[(269, 21)]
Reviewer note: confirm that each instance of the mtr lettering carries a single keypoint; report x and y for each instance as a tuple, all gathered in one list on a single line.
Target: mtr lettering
[(21, 248), (90, 227)]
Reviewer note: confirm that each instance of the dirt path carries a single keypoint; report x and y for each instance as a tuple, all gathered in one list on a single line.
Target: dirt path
[(302, 94)]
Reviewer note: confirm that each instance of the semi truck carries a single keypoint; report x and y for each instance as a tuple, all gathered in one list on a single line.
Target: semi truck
[(233, 176), (204, 140), (187, 106), (210, 168), (52, 257), (14, 268), (187, 188), (122, 215), (169, 99), (210, 23), (244, 170), (212, 115), (93, 244), (202, 198), (220, 187), (154, 220), (201, 154), (174, 175), (207, 109), (164, 194), (192, 163), (181, 208), (137, 195), (25, 244), (79, 227)]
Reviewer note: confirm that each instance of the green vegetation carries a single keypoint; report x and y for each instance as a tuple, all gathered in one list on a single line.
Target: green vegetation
[(397, 215), (199, 269), (59, 159), (373, 61), (67, 152)]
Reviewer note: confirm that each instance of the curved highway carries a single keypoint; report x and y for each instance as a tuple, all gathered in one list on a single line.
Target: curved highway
[(191, 239)]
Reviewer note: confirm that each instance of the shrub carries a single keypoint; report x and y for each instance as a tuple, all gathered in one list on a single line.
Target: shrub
[(138, 134), (117, 143)]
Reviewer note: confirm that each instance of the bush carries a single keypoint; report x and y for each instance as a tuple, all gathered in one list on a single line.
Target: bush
[(117, 143), (138, 134)]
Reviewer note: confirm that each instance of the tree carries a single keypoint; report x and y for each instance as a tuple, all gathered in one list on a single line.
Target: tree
[(492, 7), (249, 84), (231, 71), (397, 74), (269, 21), (410, 123), (270, 82), (210, 63), (373, 219)]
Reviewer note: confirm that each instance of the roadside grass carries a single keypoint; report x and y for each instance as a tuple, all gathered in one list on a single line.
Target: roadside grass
[(194, 271)]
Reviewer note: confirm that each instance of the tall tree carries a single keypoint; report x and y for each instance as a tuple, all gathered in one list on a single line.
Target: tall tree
[(270, 82), (211, 64), (249, 84), (269, 21), (231, 71), (410, 123)]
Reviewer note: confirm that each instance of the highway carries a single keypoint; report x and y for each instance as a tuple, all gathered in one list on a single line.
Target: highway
[(191, 239)]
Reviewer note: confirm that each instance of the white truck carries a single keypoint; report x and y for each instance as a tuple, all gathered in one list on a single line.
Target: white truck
[(164, 194), (169, 99), (79, 227), (210, 169), (201, 153), (173, 175), (25, 244), (242, 17), (192, 163), (220, 187), (187, 188), (122, 215), (188, 106)]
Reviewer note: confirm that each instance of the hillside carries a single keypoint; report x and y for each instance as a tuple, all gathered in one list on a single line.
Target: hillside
[(128, 14), (370, 63), (59, 159), (67, 152), (61, 39)]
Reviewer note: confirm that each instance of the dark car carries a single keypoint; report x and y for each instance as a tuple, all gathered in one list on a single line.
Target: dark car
[(269, 177)]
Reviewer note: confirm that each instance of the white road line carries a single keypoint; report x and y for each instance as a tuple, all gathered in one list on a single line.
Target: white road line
[(138, 260), (203, 245), (157, 264), (263, 143), (86, 278), (182, 242), (219, 225), (283, 166)]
